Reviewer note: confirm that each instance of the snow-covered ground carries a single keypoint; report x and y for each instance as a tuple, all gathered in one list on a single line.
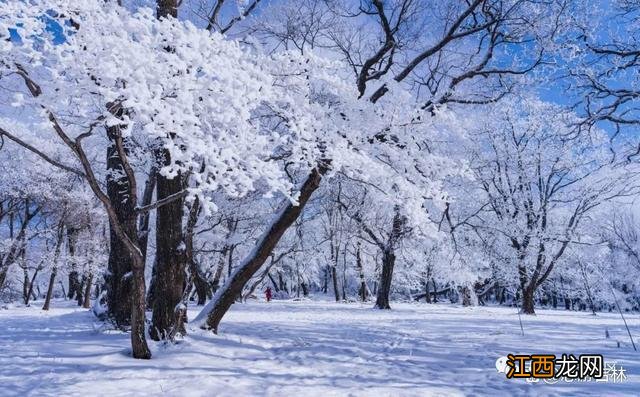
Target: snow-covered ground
[(308, 349)]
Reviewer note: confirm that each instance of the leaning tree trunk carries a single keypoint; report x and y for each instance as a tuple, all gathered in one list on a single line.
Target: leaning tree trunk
[(273, 281), (52, 280), (226, 296)]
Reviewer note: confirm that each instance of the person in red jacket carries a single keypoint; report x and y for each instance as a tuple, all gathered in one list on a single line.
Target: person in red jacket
[(268, 294)]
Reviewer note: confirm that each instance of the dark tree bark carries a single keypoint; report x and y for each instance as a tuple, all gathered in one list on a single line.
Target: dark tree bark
[(275, 285), (427, 293), (528, 304), (169, 281), (120, 265), (125, 282), (80, 290), (52, 280), (195, 274), (384, 288), (130, 241), (25, 281), (334, 279), (466, 295), (3, 277), (167, 8), (435, 291), (143, 222), (75, 286), (388, 262), (325, 279), (215, 284), (17, 246), (362, 291), (30, 292), (334, 273), (86, 303), (266, 273), (283, 284), (54, 268), (232, 248), (264, 247)]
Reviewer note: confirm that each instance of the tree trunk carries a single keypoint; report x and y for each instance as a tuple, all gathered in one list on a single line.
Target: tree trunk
[(334, 278), (389, 261), (52, 279), (54, 270), (87, 292), (334, 259), (384, 288), (275, 285), (216, 277), (143, 222), (527, 300), (466, 296), (427, 293), (118, 278), (195, 274), (80, 290), (3, 277), (25, 284), (199, 282), (232, 247), (362, 291), (73, 284), (435, 291), (283, 284), (344, 274), (325, 279), (138, 306), (169, 281), (287, 215), (31, 283)]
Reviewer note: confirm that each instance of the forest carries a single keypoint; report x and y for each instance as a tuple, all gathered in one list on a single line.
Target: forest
[(172, 171)]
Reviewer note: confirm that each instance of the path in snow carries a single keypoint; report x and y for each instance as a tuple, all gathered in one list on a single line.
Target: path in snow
[(308, 349)]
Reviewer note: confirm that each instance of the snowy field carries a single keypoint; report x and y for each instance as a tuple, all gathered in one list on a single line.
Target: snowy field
[(309, 349)]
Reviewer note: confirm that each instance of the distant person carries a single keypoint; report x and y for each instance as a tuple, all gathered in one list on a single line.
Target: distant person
[(268, 294)]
